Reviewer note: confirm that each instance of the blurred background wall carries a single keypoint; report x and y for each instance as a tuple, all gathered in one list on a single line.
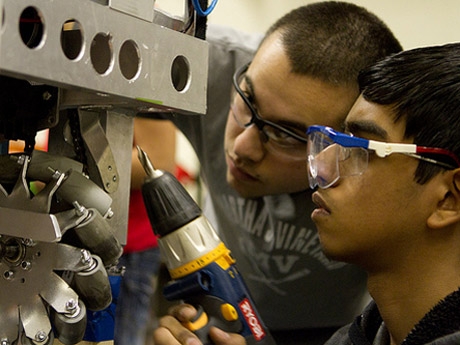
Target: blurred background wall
[(415, 22)]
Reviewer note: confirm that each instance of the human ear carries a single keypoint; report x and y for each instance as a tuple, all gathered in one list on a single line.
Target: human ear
[(447, 211)]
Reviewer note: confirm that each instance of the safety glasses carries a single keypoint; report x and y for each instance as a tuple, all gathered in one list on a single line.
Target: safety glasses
[(332, 154)]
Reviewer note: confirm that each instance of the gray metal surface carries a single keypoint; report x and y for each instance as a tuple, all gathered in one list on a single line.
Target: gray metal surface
[(119, 58)]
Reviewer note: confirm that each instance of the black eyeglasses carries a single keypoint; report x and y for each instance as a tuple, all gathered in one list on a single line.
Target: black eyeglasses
[(276, 138)]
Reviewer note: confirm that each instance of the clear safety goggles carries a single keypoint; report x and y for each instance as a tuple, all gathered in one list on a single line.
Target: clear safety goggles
[(289, 143), (332, 154)]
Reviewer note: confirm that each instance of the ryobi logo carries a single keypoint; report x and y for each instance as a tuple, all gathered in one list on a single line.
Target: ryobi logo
[(251, 319)]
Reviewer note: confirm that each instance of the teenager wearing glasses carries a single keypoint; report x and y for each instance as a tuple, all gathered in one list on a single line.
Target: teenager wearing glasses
[(389, 197), (252, 145)]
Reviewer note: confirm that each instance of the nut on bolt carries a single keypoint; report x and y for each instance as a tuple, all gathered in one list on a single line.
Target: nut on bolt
[(72, 308), (71, 305), (41, 336), (86, 257)]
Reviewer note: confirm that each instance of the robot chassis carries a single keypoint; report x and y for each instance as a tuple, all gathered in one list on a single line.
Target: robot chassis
[(82, 69)]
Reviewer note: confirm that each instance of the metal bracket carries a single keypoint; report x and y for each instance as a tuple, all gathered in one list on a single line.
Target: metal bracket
[(99, 149)]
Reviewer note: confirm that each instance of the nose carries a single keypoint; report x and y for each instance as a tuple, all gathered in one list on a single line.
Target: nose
[(248, 145)]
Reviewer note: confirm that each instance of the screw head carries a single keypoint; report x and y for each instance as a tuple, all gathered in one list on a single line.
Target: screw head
[(8, 275), (26, 265)]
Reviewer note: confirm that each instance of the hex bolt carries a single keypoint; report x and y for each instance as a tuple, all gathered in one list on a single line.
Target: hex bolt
[(28, 242), (72, 308), (80, 210), (71, 305), (109, 213), (21, 159), (86, 257), (47, 96), (55, 173), (41, 336)]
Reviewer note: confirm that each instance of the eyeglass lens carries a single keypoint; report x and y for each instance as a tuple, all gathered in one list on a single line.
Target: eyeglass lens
[(328, 161), (275, 138)]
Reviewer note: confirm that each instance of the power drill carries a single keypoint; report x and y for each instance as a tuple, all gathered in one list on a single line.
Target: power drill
[(202, 270)]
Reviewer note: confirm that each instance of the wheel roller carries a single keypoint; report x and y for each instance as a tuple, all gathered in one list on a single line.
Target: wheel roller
[(77, 187), (96, 235), (93, 286), (70, 327)]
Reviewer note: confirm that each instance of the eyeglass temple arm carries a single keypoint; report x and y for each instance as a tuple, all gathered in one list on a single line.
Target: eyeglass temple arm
[(382, 149), (385, 149)]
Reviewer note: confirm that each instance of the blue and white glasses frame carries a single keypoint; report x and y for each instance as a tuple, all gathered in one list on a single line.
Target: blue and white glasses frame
[(332, 154)]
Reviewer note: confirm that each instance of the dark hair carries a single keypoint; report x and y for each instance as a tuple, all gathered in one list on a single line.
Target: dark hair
[(333, 40), (422, 87)]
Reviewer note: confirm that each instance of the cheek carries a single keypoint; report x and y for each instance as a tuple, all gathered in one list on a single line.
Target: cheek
[(289, 177), (232, 130), (381, 206)]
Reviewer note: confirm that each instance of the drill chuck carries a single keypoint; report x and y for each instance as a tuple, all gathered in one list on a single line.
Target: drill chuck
[(189, 247), (168, 204)]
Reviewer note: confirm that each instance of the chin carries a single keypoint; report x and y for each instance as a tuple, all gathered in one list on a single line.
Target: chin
[(244, 191), (331, 251), (341, 255)]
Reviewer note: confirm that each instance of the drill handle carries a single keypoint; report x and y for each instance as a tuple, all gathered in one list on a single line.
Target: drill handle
[(213, 311), (223, 296)]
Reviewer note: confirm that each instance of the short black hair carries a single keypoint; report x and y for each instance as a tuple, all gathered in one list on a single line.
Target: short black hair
[(422, 87), (333, 40)]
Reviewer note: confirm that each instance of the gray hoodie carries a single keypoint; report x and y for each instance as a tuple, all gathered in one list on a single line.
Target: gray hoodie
[(440, 326)]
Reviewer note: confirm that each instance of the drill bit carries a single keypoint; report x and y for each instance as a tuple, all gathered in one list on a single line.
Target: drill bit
[(147, 164)]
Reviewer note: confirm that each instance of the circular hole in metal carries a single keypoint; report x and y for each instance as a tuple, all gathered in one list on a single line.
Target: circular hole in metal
[(129, 58), (31, 27), (72, 39), (180, 73), (101, 53)]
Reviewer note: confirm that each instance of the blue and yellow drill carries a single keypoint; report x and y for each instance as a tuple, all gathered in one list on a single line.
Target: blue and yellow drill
[(203, 272)]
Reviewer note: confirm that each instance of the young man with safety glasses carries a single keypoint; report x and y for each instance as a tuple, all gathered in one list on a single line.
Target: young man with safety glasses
[(251, 145), (389, 197)]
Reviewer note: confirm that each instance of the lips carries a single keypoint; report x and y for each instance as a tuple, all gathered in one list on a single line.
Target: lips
[(239, 173), (319, 201)]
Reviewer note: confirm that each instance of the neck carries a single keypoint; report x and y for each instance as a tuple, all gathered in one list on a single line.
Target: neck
[(405, 297)]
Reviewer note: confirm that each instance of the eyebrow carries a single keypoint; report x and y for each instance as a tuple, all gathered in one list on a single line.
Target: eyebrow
[(366, 128)]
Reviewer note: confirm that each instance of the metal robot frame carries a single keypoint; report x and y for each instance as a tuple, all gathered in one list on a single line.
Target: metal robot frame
[(82, 69)]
